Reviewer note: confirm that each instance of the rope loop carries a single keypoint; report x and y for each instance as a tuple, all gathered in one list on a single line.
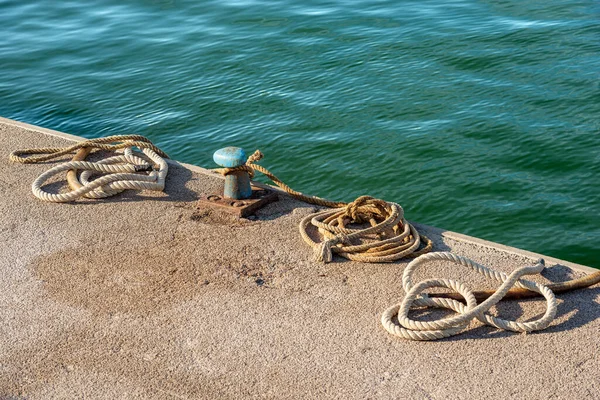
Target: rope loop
[(252, 168), (131, 170), (248, 167), (256, 156), (408, 328)]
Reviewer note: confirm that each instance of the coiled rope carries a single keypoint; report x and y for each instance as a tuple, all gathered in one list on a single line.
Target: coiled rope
[(389, 238), (408, 328), (121, 172)]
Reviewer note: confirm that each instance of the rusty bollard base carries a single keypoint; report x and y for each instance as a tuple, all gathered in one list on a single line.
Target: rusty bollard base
[(241, 208)]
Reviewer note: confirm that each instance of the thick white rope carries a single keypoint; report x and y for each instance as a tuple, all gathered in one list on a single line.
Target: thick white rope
[(123, 172), (408, 328)]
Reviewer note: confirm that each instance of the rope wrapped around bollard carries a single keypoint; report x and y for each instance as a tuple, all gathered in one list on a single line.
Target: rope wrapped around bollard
[(408, 328), (251, 167)]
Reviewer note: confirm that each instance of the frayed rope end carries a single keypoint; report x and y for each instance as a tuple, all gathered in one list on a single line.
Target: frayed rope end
[(323, 252)]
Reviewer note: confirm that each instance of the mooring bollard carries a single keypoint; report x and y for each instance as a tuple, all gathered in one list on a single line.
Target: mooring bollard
[(237, 183)]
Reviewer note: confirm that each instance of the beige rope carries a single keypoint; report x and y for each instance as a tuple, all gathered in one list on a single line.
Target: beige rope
[(111, 143), (122, 171), (408, 328), (389, 238)]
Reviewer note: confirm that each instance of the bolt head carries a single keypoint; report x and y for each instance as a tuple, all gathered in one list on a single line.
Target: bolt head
[(230, 157)]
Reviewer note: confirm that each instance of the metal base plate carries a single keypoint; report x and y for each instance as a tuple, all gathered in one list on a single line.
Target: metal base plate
[(241, 208)]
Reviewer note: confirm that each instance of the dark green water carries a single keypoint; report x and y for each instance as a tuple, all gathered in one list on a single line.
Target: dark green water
[(479, 117)]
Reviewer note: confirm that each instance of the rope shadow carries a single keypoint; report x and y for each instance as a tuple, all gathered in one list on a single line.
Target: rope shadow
[(176, 190), (584, 305)]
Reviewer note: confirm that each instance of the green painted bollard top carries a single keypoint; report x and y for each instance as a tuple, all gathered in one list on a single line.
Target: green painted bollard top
[(237, 184)]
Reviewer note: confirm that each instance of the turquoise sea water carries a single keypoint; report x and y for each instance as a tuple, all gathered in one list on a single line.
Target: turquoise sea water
[(481, 117)]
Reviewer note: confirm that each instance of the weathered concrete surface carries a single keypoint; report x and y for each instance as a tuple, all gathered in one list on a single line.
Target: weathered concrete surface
[(144, 296)]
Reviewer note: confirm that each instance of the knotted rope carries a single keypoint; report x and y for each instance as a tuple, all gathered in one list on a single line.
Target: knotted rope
[(123, 171), (389, 238), (408, 328)]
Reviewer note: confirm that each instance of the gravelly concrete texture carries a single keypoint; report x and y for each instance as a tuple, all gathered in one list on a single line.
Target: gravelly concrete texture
[(145, 296)]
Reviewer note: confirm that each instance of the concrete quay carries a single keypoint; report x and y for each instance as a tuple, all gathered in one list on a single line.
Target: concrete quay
[(144, 296)]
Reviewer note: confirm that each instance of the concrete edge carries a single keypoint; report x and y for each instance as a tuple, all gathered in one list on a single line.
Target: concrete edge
[(36, 128), (459, 237), (445, 233)]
